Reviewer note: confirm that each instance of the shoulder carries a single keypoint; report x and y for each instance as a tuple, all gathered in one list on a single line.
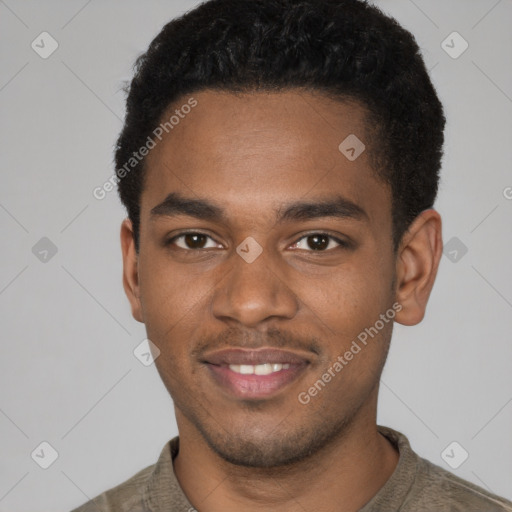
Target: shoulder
[(153, 488), (437, 489), (418, 485), (156, 481), (123, 497)]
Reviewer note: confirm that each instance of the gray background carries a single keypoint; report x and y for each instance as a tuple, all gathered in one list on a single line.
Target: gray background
[(68, 375)]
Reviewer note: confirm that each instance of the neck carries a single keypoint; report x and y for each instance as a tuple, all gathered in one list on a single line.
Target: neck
[(343, 476)]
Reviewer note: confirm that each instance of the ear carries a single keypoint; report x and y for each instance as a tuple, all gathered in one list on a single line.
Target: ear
[(130, 270), (418, 259)]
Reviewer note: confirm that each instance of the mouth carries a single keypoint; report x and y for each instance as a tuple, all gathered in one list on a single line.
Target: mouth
[(255, 374)]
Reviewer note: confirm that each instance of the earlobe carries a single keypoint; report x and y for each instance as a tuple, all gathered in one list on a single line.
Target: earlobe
[(130, 270), (416, 268)]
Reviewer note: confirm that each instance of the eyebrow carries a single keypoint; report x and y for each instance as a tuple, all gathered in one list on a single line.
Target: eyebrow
[(176, 204)]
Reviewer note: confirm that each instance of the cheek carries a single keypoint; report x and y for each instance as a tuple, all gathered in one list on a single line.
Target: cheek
[(171, 295), (162, 278), (349, 298)]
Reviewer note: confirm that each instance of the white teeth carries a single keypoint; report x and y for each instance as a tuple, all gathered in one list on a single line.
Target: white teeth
[(266, 369), (258, 369)]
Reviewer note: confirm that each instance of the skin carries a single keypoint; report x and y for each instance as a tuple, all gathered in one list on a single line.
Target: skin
[(251, 154)]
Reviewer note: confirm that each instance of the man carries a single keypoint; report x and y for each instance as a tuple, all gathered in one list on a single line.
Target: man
[(279, 163)]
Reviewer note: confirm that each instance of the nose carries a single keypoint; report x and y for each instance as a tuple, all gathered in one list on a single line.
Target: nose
[(253, 293)]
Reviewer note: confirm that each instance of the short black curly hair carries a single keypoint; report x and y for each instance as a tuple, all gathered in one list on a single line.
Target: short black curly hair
[(348, 49)]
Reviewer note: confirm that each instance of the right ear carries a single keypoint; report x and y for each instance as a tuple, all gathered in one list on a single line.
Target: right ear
[(130, 270)]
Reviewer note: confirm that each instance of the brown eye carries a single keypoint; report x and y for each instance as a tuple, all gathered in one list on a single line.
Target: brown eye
[(191, 241), (195, 241), (318, 242)]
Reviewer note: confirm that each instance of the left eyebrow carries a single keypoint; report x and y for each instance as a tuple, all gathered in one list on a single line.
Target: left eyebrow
[(337, 207), (176, 204)]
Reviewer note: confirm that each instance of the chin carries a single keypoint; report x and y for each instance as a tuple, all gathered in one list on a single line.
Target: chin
[(247, 454), (269, 449)]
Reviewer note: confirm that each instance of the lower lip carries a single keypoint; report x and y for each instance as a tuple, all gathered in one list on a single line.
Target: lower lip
[(254, 386)]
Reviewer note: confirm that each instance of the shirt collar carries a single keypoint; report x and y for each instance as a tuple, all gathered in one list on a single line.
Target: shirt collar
[(162, 491)]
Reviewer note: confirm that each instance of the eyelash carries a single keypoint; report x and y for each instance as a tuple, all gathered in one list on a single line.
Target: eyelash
[(342, 244)]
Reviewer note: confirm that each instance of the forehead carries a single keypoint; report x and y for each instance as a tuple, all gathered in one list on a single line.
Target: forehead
[(252, 152)]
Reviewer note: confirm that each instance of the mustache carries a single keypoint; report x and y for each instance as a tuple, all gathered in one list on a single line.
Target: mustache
[(272, 338)]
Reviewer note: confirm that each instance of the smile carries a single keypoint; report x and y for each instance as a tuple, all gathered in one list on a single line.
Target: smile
[(259, 369), (255, 374)]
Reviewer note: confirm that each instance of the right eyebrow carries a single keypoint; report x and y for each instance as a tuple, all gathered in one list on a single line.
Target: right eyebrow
[(176, 204)]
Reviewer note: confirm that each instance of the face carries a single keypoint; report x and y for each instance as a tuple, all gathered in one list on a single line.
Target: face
[(263, 248)]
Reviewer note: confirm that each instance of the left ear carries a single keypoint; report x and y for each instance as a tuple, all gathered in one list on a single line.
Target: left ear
[(417, 262)]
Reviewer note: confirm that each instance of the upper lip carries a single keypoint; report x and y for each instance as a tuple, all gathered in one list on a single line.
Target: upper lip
[(254, 357)]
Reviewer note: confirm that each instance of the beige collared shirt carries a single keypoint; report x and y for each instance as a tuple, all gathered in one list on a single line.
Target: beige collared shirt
[(416, 485)]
